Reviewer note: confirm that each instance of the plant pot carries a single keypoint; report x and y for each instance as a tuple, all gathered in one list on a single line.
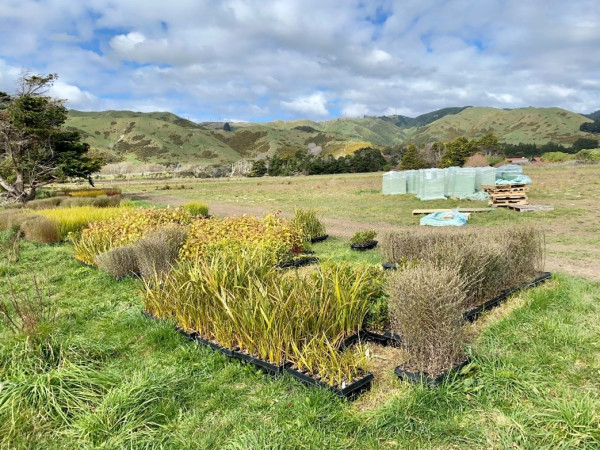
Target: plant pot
[(263, 365), (348, 392), (316, 239), (299, 262), (418, 377), (472, 314), (389, 266), (364, 246)]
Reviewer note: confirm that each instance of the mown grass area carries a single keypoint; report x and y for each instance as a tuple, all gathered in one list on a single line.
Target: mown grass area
[(103, 375)]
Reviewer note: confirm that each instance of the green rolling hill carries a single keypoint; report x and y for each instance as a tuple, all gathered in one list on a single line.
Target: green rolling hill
[(162, 137)]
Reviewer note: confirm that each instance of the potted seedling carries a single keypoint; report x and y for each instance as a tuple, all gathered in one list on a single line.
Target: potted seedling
[(363, 240)]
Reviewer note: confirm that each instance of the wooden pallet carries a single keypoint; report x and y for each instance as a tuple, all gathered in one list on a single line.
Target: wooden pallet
[(504, 187), (508, 202), (531, 208)]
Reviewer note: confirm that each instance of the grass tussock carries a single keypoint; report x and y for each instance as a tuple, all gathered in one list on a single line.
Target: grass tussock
[(74, 220), (426, 306), (119, 261), (307, 221), (488, 261), (158, 252), (40, 229), (46, 203), (11, 219), (196, 209)]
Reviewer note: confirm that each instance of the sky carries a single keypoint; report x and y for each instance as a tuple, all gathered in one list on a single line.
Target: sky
[(264, 60)]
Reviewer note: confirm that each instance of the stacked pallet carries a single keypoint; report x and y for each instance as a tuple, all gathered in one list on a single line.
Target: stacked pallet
[(507, 195)]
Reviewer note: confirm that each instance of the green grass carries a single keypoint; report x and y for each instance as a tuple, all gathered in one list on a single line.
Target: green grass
[(105, 376)]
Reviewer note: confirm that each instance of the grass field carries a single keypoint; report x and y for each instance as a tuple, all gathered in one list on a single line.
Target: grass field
[(353, 201), (102, 375)]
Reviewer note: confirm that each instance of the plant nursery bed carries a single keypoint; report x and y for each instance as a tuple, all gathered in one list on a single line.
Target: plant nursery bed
[(265, 366), (418, 377), (364, 246), (318, 238), (348, 392), (299, 262), (474, 313)]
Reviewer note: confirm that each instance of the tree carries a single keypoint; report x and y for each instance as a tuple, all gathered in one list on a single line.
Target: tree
[(457, 152), (226, 126), (259, 168), (585, 143), (411, 160), (34, 149)]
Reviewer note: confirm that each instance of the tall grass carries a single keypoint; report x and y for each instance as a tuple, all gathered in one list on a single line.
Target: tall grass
[(74, 220), (158, 252), (40, 229), (240, 300), (307, 221)]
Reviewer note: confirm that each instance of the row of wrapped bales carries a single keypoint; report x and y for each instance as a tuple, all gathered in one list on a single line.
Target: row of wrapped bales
[(433, 184)]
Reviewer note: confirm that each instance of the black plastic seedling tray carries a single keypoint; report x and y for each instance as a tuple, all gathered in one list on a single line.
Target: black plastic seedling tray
[(365, 246), (348, 392), (265, 366), (389, 266), (416, 377), (316, 239), (299, 262), (386, 339), (474, 313)]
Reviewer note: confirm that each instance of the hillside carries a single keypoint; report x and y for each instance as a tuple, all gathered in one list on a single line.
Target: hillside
[(162, 137), (527, 125)]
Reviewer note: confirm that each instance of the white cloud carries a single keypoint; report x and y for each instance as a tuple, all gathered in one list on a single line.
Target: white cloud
[(258, 59), (314, 104), (76, 98)]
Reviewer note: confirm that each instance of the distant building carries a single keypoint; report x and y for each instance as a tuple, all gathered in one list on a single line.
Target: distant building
[(516, 160)]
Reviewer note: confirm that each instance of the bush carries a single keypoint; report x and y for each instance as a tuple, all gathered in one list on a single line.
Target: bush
[(271, 234), (362, 237), (11, 219), (588, 155), (196, 209), (488, 263), (119, 262), (76, 202), (39, 229), (45, 203), (157, 253), (426, 303), (126, 227), (556, 157)]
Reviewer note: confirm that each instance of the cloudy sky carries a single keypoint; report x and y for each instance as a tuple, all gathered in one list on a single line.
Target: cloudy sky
[(261, 60)]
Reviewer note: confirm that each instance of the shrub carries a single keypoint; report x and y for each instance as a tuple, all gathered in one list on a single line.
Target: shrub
[(556, 157), (308, 223), (426, 303), (272, 234), (157, 252), (126, 227), (45, 203), (196, 209), (93, 192), (119, 261), (11, 219), (75, 202), (105, 201), (488, 262), (39, 229), (588, 155), (362, 237)]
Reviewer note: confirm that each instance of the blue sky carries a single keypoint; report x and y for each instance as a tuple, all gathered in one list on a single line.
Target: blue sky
[(262, 60)]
